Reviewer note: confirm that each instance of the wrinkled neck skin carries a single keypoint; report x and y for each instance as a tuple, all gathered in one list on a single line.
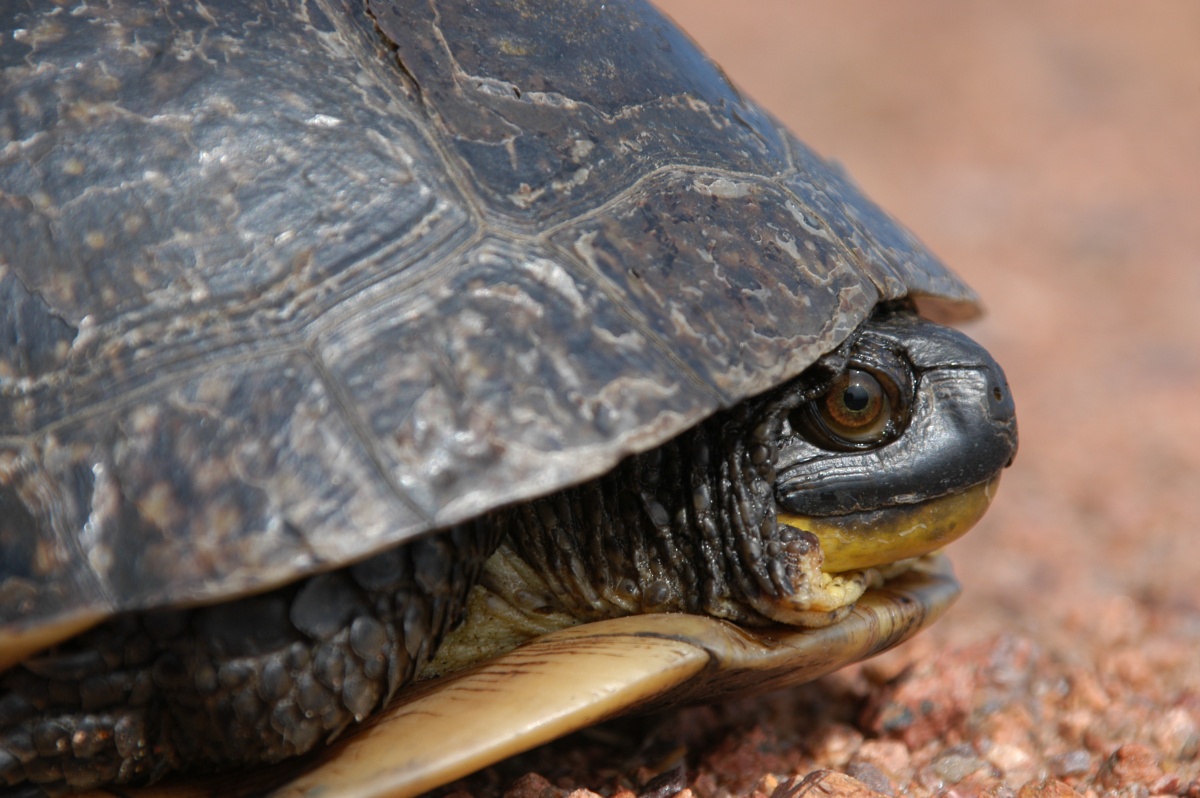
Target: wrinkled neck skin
[(688, 527)]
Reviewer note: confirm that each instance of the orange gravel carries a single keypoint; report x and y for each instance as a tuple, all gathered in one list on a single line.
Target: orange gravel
[(1050, 151)]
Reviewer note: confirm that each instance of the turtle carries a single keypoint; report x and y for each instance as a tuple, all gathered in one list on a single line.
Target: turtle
[(357, 358)]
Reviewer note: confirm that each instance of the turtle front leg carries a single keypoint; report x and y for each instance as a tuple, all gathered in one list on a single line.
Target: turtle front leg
[(254, 680)]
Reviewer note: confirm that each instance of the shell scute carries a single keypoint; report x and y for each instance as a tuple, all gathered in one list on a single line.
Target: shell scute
[(720, 272), (540, 143), (508, 372)]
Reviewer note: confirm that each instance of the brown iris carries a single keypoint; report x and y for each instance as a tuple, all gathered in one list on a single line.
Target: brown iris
[(859, 411), (856, 407)]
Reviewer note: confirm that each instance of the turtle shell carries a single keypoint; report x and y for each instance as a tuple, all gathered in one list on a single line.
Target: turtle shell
[(285, 284)]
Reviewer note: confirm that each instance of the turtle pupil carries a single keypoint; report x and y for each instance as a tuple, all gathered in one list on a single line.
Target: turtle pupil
[(856, 398)]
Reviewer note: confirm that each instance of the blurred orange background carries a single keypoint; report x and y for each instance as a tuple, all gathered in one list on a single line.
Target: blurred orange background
[(1050, 153)]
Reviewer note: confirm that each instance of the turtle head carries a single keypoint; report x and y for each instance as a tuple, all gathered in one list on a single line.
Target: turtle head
[(788, 507), (892, 446)]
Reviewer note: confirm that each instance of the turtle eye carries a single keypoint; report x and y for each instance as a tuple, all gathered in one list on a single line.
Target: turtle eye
[(857, 412), (856, 408)]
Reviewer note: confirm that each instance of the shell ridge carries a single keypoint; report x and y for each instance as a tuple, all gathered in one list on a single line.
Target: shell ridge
[(346, 409)]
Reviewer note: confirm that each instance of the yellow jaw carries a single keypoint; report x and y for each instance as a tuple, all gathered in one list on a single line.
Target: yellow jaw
[(863, 540)]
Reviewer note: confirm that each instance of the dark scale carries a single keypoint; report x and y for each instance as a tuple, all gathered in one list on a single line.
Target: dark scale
[(253, 680)]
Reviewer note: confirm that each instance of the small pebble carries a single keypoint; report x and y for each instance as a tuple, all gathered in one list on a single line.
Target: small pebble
[(765, 786), (1000, 790), (1169, 784), (1072, 763), (532, 785), (582, 793), (833, 744), (1132, 763), (1014, 762), (822, 783), (1176, 733), (891, 757), (955, 764), (871, 776), (1049, 788)]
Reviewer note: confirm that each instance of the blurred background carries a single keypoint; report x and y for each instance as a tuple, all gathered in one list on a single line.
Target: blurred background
[(1049, 151)]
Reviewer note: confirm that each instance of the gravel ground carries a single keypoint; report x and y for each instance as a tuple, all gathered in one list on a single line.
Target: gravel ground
[(1050, 151)]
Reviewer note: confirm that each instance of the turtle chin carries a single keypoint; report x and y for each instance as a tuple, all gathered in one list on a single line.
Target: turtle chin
[(861, 550), (866, 539)]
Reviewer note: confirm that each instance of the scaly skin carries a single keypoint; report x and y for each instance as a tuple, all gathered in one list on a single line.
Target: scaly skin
[(254, 680)]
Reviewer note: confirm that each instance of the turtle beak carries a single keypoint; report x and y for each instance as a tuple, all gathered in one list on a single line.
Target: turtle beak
[(1002, 412)]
